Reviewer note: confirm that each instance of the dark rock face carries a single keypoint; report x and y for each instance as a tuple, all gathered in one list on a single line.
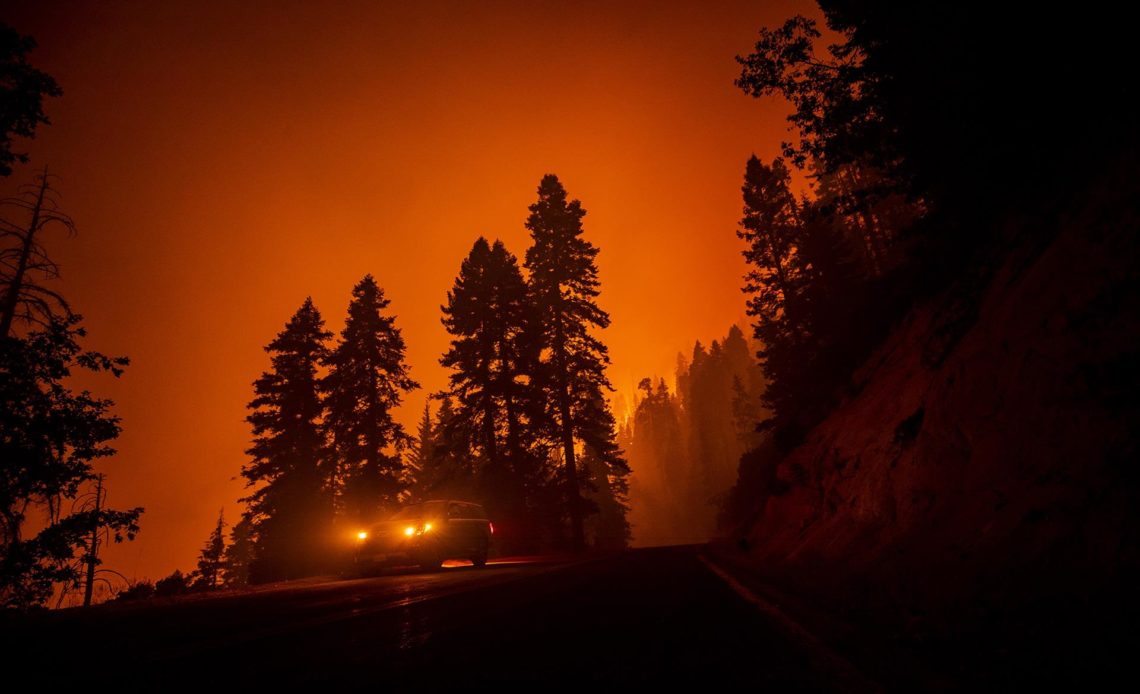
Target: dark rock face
[(990, 459)]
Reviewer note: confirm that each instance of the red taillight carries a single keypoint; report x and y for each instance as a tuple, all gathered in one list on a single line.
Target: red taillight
[(491, 526)]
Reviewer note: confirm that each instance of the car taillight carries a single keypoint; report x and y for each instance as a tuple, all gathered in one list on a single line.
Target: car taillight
[(491, 526)]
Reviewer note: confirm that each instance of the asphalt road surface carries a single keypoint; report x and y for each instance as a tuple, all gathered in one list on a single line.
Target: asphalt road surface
[(652, 616)]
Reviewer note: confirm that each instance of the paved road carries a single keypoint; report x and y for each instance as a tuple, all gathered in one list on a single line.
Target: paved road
[(657, 616)]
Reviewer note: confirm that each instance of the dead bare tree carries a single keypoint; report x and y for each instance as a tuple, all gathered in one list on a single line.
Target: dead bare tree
[(25, 266)]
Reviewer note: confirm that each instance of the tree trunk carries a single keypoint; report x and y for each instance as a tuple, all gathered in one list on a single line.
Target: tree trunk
[(577, 534), (490, 439), (490, 443), (92, 556)]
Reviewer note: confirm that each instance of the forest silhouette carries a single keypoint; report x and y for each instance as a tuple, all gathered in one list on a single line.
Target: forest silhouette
[(939, 164), (525, 427)]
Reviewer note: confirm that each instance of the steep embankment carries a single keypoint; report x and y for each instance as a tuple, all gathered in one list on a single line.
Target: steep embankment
[(988, 463)]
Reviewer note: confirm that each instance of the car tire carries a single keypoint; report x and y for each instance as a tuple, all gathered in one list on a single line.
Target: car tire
[(430, 563), (480, 559)]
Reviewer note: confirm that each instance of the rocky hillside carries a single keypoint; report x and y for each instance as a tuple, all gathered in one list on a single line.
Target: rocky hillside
[(987, 462)]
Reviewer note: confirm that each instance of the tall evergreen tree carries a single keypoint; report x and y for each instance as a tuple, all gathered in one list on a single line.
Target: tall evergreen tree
[(805, 288), (746, 413), (738, 356), (238, 554), (775, 280), (419, 452), (841, 325), (685, 450), (446, 470), (609, 494), (490, 358), (571, 375), (290, 507), (367, 379), (709, 414), (212, 556), (662, 480)]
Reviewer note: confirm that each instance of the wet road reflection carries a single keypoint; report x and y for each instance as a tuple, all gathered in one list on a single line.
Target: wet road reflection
[(644, 613)]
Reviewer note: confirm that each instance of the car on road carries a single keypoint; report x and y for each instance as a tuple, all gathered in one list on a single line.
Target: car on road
[(427, 534)]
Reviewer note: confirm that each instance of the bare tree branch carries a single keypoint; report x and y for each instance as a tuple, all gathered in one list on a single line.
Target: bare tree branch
[(24, 261)]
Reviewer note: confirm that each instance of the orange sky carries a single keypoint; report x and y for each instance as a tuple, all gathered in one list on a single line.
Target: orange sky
[(225, 159)]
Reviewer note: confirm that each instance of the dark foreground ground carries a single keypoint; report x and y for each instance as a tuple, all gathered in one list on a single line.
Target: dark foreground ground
[(658, 616)]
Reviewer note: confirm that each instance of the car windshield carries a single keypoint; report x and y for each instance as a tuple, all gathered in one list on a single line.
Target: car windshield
[(428, 509), (413, 512)]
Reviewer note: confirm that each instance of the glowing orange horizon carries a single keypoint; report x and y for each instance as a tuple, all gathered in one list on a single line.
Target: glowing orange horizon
[(224, 162)]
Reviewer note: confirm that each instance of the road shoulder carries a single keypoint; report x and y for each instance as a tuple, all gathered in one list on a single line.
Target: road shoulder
[(865, 656)]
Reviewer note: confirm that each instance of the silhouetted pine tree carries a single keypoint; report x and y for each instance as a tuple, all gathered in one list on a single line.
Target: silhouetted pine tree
[(609, 495), (490, 358), (771, 227), (847, 199), (663, 470), (686, 449), (238, 554), (418, 454), (833, 301), (710, 422), (807, 292), (448, 470), (571, 375), (738, 358), (746, 413), (210, 559), (290, 507), (366, 381)]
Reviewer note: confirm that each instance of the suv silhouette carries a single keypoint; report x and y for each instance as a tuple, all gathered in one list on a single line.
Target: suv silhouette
[(427, 534)]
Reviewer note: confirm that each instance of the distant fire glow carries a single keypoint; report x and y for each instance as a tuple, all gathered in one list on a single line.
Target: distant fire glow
[(664, 285)]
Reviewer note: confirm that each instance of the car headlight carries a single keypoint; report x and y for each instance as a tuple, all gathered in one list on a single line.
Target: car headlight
[(417, 530), (362, 535)]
